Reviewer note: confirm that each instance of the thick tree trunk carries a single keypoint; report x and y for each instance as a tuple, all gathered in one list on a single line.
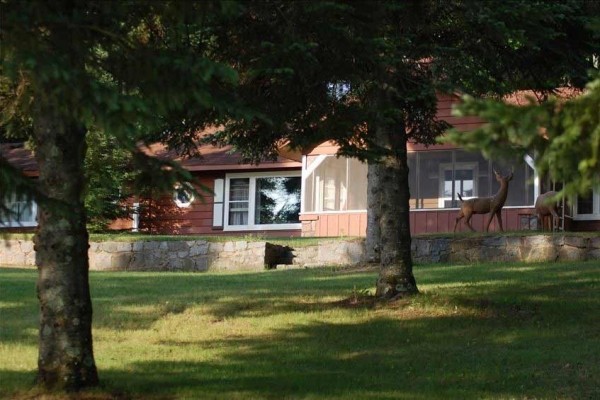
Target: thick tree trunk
[(396, 274), (373, 239), (66, 358)]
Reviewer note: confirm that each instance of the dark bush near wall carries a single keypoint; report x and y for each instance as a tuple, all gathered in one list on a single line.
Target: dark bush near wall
[(278, 255)]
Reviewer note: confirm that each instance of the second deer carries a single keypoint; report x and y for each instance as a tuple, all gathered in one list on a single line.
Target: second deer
[(484, 205), (546, 207)]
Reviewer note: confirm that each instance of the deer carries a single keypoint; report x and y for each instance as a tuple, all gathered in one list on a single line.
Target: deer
[(484, 205), (545, 207)]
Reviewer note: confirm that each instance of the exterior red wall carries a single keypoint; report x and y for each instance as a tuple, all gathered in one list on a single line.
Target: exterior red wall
[(162, 216), (421, 222), (338, 224), (587, 226)]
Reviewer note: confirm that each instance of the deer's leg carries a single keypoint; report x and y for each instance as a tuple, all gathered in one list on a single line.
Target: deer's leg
[(499, 216), (458, 218), (489, 221), (554, 217), (468, 221)]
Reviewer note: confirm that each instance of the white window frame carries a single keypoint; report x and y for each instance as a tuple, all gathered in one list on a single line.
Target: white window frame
[(252, 200), (595, 215), (20, 224), (474, 166)]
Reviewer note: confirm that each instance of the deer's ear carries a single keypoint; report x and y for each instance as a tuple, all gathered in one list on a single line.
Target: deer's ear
[(509, 177)]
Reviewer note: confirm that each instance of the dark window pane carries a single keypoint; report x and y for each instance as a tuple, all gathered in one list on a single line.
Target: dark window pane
[(585, 203), (277, 200)]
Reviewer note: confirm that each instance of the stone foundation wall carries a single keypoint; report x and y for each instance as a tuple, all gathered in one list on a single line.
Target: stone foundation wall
[(538, 248), (329, 252), (197, 255), (200, 255)]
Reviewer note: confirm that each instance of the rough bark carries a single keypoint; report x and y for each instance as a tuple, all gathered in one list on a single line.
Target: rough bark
[(373, 239), (396, 273), (66, 358)]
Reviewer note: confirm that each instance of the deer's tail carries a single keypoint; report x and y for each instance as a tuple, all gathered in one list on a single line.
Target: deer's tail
[(460, 197)]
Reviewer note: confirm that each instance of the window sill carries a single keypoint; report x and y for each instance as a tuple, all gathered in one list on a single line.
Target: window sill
[(19, 225), (586, 217), (272, 227)]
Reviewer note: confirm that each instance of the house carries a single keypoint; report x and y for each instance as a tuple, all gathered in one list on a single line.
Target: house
[(319, 194), (239, 198)]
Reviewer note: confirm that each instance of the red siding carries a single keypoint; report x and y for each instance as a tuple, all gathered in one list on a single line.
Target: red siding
[(422, 221), (162, 216), (589, 226)]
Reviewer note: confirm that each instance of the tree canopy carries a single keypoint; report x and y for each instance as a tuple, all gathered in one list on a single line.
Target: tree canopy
[(132, 70)]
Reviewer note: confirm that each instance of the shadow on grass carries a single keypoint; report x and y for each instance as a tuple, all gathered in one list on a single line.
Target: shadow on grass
[(137, 300), (519, 332), (382, 359)]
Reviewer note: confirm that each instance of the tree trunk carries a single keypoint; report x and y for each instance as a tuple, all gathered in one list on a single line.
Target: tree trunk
[(66, 358), (373, 239), (396, 276)]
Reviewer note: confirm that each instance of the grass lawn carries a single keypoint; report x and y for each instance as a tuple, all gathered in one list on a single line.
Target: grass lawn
[(495, 331)]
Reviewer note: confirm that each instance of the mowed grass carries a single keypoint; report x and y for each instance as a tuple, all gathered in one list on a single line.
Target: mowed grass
[(494, 331)]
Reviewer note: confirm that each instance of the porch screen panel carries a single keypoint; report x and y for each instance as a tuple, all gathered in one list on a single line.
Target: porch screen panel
[(521, 187), (331, 188), (308, 200), (357, 185), (432, 183), (412, 179), (468, 161)]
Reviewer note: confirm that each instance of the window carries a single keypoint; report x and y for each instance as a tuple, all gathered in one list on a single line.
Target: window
[(183, 197), (460, 179), (23, 213), (262, 201), (588, 206), (239, 201)]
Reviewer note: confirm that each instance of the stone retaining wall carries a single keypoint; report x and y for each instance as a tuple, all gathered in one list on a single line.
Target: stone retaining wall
[(329, 252), (197, 255), (201, 255), (540, 248)]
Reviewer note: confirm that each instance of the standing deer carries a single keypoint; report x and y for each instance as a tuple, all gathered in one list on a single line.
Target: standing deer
[(546, 207), (484, 205)]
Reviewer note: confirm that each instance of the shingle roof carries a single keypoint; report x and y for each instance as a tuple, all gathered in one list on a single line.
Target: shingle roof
[(19, 157), (212, 159), (217, 158)]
